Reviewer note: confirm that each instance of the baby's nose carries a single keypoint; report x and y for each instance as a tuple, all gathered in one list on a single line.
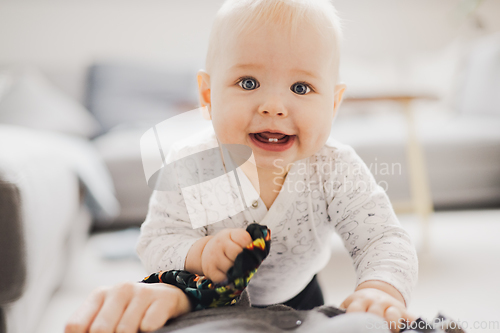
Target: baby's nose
[(273, 107)]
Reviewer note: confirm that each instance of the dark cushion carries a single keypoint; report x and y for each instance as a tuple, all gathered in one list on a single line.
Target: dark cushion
[(3, 324), (134, 94), (12, 256)]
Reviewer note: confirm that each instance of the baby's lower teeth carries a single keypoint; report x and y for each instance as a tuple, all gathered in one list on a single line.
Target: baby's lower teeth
[(273, 140)]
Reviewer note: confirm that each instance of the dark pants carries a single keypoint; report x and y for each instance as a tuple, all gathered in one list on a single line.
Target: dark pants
[(308, 298)]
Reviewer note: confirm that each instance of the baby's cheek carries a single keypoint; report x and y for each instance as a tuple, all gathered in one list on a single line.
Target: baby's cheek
[(228, 132), (315, 134)]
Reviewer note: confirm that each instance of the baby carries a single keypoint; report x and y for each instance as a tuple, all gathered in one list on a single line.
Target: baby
[(271, 83)]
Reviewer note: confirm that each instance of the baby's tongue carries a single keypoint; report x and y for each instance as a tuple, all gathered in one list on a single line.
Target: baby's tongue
[(268, 135)]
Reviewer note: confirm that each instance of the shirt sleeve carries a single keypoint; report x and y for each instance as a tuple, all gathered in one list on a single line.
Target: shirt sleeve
[(363, 216), (167, 233)]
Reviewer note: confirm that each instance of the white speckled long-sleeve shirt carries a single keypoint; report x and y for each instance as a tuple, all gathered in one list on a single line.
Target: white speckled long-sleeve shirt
[(331, 191)]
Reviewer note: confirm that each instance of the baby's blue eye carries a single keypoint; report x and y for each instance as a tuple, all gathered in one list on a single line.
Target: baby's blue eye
[(300, 88), (248, 84)]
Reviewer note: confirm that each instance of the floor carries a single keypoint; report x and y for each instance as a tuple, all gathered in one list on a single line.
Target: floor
[(458, 272)]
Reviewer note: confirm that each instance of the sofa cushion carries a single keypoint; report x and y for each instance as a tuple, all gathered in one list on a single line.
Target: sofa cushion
[(27, 99), (133, 94), (120, 151), (12, 256), (462, 154)]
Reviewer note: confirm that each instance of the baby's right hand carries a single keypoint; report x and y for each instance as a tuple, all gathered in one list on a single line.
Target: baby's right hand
[(129, 307), (221, 251)]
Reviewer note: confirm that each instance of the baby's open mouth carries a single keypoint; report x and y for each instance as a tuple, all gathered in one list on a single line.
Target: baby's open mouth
[(268, 137), (274, 142)]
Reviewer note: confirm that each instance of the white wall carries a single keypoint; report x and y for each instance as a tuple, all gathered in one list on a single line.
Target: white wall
[(63, 37), (69, 35)]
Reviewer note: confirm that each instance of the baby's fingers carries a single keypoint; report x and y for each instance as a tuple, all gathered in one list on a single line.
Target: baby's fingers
[(217, 276), (240, 237), (217, 268), (231, 251), (173, 305), (357, 306), (407, 318), (81, 320), (135, 311), (113, 308), (378, 309), (156, 316), (393, 317)]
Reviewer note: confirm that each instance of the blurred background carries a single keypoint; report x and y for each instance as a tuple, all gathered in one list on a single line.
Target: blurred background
[(81, 81)]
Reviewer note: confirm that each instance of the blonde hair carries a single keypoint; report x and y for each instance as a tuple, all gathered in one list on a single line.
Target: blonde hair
[(235, 16)]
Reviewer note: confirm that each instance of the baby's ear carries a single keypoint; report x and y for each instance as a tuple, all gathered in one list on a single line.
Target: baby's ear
[(339, 93), (204, 93)]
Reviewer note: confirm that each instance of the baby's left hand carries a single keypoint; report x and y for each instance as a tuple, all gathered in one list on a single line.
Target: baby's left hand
[(380, 303)]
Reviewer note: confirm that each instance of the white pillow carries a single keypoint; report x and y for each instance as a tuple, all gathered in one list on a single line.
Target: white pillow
[(480, 91), (28, 99)]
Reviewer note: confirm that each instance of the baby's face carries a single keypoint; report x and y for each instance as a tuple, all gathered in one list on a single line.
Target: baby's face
[(273, 94)]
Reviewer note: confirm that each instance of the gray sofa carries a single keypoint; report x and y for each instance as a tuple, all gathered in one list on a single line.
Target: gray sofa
[(54, 185), (51, 187)]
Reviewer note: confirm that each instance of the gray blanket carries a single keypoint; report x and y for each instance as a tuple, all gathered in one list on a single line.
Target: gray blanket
[(242, 317)]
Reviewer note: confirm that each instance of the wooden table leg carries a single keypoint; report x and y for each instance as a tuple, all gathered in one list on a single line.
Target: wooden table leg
[(419, 181)]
